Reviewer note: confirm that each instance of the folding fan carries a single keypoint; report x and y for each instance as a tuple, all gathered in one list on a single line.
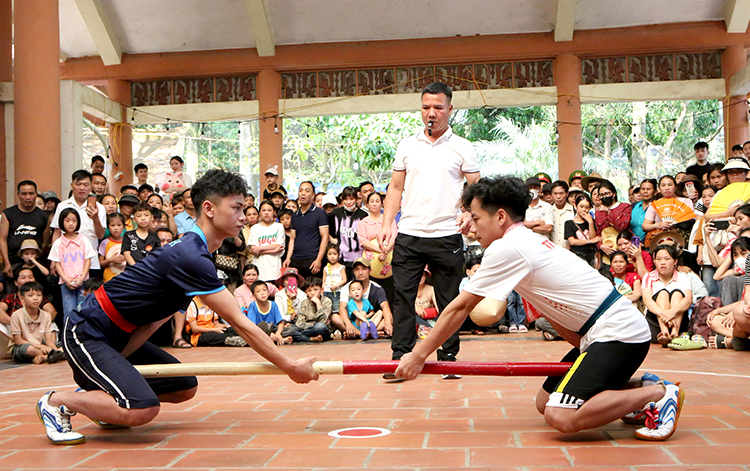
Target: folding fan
[(673, 210), (734, 194)]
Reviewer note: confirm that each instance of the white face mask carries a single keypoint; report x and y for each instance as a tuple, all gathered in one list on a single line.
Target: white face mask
[(534, 194), (350, 208), (739, 263)]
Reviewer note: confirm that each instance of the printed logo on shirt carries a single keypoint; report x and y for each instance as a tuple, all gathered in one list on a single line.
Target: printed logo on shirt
[(148, 248), (71, 257), (266, 239), (549, 244), (25, 230)]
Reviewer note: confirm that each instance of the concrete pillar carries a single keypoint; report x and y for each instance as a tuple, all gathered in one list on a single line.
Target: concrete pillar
[(270, 137), (6, 75), (71, 130), (120, 139), (37, 94), (736, 126), (567, 76)]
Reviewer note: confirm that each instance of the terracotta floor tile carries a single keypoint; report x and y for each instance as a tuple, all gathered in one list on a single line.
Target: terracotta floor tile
[(53, 457), (326, 426), (139, 459), (464, 413), (399, 413), (325, 458), (557, 439), (189, 441), (726, 454), (243, 458), (510, 425), (614, 456), (394, 440), (267, 426), (726, 437), (518, 457), (713, 409), (277, 441), (422, 425), (736, 421), (681, 437), (470, 440), (233, 416), (396, 458), (692, 468), (317, 414)]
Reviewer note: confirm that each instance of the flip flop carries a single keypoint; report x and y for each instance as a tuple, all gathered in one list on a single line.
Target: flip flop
[(681, 343), (663, 339), (181, 343)]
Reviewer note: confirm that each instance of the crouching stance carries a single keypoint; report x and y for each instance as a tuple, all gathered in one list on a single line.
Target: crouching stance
[(108, 334), (610, 337)]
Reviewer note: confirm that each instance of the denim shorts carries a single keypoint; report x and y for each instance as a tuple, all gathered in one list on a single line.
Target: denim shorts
[(335, 297)]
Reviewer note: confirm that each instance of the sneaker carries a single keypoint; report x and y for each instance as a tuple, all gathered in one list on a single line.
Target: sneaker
[(55, 356), (513, 328), (662, 416), (373, 330), (56, 421), (235, 341), (363, 330)]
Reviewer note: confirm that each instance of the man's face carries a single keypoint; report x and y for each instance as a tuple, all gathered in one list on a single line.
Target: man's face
[(97, 167), (487, 225), (436, 109), (701, 154), (229, 215), (165, 237), (99, 184), (577, 183), (27, 197), (366, 190), (142, 174), (306, 194), (126, 209), (361, 272), (559, 196), (24, 277), (81, 188), (187, 200)]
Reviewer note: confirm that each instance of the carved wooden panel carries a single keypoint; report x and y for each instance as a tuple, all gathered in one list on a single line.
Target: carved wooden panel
[(458, 77), (337, 83), (650, 68), (604, 70), (193, 91), (414, 79), (493, 76), (697, 66), (151, 93), (236, 88), (532, 74), (376, 82), (299, 85)]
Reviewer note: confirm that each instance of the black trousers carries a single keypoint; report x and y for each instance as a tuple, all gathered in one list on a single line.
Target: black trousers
[(444, 256)]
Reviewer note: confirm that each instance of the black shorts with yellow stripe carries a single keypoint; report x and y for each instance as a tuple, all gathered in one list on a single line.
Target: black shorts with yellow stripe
[(603, 366)]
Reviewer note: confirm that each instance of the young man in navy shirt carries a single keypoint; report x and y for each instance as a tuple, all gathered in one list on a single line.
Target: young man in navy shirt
[(108, 334)]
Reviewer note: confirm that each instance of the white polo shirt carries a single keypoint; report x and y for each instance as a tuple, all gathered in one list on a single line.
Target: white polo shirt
[(541, 212), (564, 288), (434, 182), (87, 224)]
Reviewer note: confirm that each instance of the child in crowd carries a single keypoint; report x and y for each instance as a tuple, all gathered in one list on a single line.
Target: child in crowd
[(471, 267), (667, 295), (138, 243), (178, 206), (206, 330), (277, 198), (29, 253), (12, 302), (165, 236), (361, 312), (334, 277), (292, 205), (265, 314), (267, 243), (581, 233), (425, 304), (285, 218), (244, 294), (127, 208), (251, 219), (311, 324), (157, 220), (111, 258), (289, 298), (31, 329), (627, 282), (71, 255)]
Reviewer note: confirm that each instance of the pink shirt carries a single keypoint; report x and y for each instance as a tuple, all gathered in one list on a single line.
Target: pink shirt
[(245, 297), (71, 254), (368, 229)]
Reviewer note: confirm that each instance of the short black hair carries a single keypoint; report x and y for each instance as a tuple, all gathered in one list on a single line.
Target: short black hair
[(26, 183), (736, 148), (155, 212), (309, 182), (140, 167), (618, 252), (609, 186), (284, 212), (92, 284), (257, 284), (157, 195), (473, 261), (129, 186), (79, 175), (164, 229), (560, 183), (700, 145), (217, 184), (351, 283), (311, 282), (177, 158), (146, 186), (250, 266), (436, 88), (349, 192), (98, 175), (142, 206), (509, 193), (112, 216), (30, 286), (673, 251), (17, 271), (365, 183), (97, 158), (65, 213)]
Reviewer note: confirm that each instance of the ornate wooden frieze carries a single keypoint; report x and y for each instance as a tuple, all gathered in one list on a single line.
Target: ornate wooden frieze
[(376, 81), (202, 90), (656, 68), (532, 74), (337, 83)]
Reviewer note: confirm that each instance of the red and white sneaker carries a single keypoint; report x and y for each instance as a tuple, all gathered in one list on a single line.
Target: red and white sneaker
[(662, 416)]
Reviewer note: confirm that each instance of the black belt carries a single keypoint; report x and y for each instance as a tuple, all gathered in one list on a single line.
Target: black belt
[(613, 296)]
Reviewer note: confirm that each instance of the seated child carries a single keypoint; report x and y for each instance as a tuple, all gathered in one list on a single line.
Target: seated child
[(31, 329), (627, 282), (311, 324), (265, 314), (242, 294), (206, 330), (289, 298), (12, 302), (361, 312)]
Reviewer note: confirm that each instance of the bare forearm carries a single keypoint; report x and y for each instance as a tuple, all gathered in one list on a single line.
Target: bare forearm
[(140, 335), (448, 323)]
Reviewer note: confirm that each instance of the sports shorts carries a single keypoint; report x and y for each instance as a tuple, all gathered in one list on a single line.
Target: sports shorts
[(603, 366)]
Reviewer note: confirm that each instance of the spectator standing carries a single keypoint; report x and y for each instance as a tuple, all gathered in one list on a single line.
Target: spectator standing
[(185, 219), (701, 165), (611, 213), (92, 215), (367, 232), (428, 172), (539, 216), (561, 212), (141, 173), (20, 222), (98, 184), (342, 223), (176, 180), (311, 240), (267, 243), (138, 243), (638, 211), (272, 182), (97, 164), (110, 250)]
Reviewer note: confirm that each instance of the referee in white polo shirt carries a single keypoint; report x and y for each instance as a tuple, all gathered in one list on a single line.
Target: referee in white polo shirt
[(429, 172)]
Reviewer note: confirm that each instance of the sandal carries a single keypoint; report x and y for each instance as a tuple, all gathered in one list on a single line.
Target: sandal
[(548, 335), (181, 343), (681, 343), (698, 338), (663, 338)]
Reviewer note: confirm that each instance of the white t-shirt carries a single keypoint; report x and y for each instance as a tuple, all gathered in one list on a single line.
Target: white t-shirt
[(269, 265), (564, 288), (559, 216), (679, 281), (541, 212), (87, 224), (434, 182)]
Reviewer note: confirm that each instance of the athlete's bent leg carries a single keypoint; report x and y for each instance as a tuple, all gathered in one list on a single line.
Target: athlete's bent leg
[(101, 406)]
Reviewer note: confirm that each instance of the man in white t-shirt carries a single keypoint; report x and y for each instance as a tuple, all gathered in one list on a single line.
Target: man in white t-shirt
[(429, 172), (610, 337), (91, 214), (538, 216)]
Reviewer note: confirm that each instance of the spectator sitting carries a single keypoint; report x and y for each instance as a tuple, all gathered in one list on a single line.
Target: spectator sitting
[(266, 315), (731, 272), (289, 298), (206, 330), (334, 277), (127, 208), (138, 243), (639, 260), (244, 294), (110, 250), (361, 312), (311, 324), (31, 329), (12, 302), (71, 255), (627, 282), (373, 292)]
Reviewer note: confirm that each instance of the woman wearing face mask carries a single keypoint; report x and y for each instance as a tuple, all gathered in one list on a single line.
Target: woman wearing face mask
[(728, 286), (731, 273), (342, 223), (611, 213)]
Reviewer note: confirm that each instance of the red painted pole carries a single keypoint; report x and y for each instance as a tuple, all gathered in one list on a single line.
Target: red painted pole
[(463, 368)]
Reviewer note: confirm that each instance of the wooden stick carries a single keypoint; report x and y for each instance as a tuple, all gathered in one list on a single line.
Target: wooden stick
[(358, 367)]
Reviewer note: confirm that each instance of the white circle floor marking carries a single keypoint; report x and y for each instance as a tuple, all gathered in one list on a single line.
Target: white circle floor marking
[(359, 432)]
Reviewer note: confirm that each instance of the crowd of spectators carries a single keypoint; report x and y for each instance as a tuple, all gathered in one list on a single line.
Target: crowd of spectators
[(311, 269)]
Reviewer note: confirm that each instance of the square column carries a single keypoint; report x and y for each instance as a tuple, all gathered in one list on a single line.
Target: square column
[(6, 75), (270, 135), (567, 75), (120, 139), (736, 126)]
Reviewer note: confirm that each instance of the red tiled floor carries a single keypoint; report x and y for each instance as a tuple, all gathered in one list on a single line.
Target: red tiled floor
[(482, 423)]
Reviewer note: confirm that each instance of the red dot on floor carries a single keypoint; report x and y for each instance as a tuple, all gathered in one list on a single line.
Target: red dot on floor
[(359, 432)]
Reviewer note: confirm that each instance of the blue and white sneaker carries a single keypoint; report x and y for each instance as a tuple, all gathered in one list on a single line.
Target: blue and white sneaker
[(56, 421), (638, 417), (662, 416)]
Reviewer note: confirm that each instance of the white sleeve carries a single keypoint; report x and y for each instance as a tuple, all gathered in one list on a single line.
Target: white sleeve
[(54, 251), (501, 270), (344, 296), (399, 162), (253, 240), (548, 215), (102, 215), (56, 217), (88, 250), (470, 163)]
